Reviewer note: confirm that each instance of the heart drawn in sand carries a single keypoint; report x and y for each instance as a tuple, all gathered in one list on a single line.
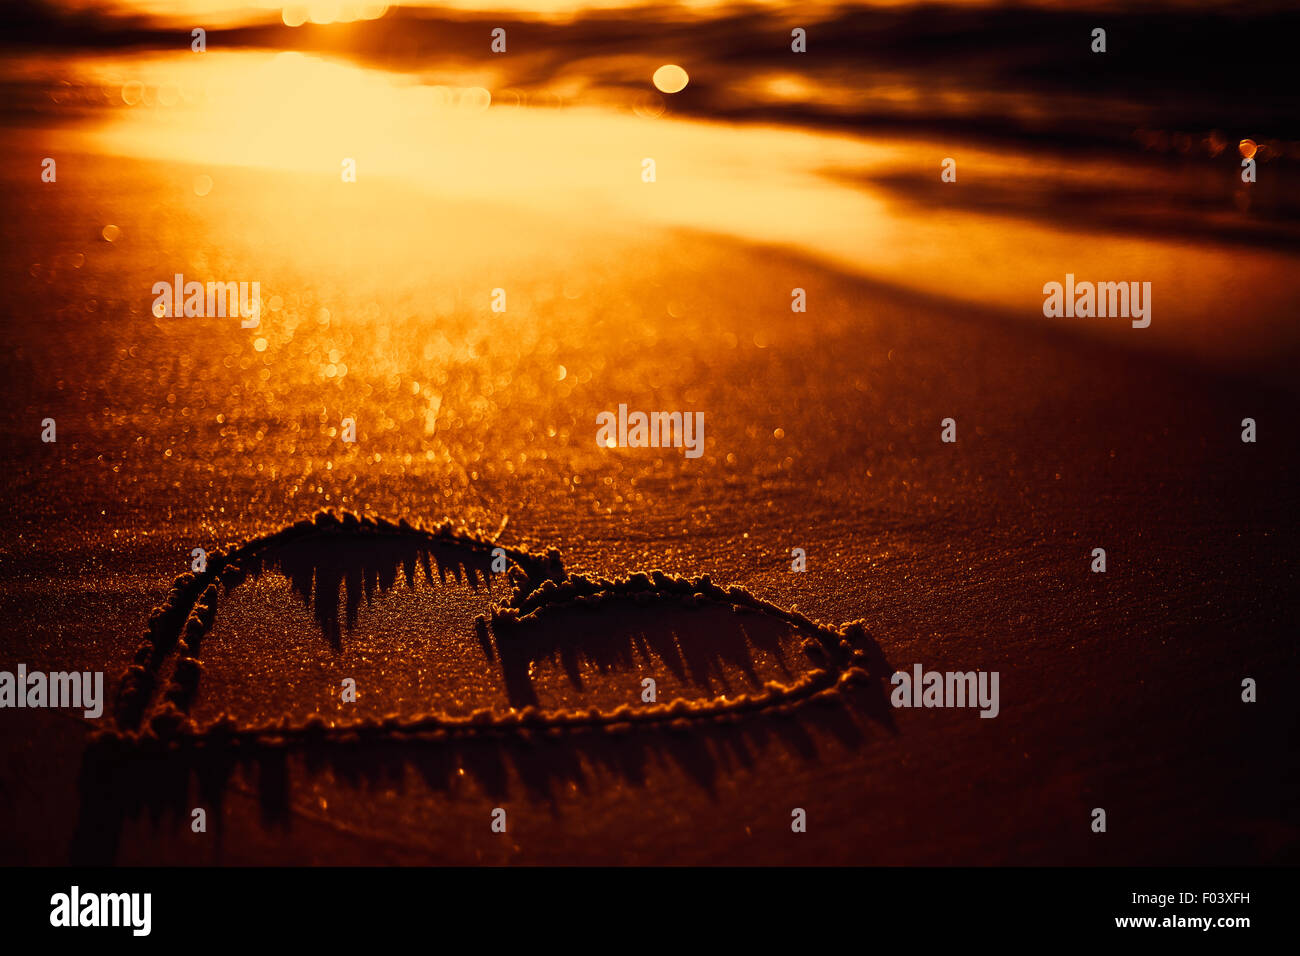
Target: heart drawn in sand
[(553, 652)]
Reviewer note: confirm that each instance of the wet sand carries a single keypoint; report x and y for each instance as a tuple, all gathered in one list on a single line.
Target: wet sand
[(1119, 690)]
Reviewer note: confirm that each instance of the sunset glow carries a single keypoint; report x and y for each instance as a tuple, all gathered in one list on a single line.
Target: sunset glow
[(615, 434)]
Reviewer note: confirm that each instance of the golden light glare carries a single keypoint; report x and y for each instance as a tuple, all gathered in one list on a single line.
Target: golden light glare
[(1248, 148), (323, 12), (251, 114), (670, 78)]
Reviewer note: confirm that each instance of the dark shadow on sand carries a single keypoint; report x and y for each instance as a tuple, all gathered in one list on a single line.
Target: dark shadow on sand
[(351, 568), (120, 783), (711, 647)]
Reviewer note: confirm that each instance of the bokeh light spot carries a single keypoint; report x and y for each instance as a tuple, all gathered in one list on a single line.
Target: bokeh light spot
[(670, 78)]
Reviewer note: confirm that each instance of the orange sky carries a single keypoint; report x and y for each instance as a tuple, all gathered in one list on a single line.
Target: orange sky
[(345, 10), (329, 11)]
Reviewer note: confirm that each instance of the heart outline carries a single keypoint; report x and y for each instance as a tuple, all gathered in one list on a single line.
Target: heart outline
[(539, 586)]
